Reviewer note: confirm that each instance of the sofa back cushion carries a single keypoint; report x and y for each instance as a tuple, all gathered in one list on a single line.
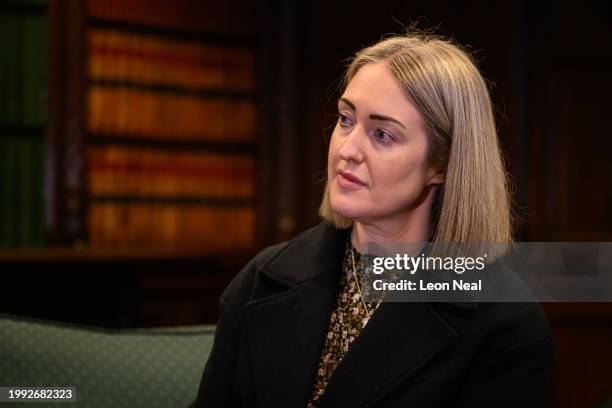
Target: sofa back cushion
[(108, 367)]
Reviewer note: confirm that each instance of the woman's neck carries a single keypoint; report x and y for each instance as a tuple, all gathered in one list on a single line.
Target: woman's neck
[(413, 226), (363, 234)]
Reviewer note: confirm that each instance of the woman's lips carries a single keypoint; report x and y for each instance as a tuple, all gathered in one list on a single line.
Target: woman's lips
[(347, 180)]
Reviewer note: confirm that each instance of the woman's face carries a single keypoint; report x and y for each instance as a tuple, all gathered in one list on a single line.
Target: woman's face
[(377, 163)]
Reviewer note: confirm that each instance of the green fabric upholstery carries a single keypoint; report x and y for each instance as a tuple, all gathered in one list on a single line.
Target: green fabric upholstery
[(109, 368)]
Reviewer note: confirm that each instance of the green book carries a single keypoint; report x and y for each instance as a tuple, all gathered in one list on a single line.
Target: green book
[(29, 70), (35, 71), (42, 59), (8, 66), (16, 190), (11, 189), (25, 191), (13, 67), (4, 196), (4, 56), (38, 196), (19, 70)]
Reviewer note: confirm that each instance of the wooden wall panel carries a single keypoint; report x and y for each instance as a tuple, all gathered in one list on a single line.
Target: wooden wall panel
[(583, 362), (570, 135)]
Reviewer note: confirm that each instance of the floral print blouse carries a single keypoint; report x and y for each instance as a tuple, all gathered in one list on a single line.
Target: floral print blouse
[(346, 321)]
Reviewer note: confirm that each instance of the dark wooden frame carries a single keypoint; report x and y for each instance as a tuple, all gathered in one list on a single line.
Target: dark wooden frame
[(65, 184)]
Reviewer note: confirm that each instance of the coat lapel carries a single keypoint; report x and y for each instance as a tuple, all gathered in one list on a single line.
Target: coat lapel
[(399, 339), (285, 338), (285, 331)]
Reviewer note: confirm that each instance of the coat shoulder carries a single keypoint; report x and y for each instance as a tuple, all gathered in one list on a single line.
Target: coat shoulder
[(497, 326), (524, 319), (239, 290), (246, 285), (502, 324)]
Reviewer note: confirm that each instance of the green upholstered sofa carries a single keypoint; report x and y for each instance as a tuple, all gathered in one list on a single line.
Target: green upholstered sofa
[(109, 368)]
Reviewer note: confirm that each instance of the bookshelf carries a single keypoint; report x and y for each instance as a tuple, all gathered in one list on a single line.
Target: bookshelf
[(155, 146), (138, 144), (23, 117)]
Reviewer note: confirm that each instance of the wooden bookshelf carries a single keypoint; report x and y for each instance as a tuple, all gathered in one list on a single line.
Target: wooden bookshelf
[(157, 90), (204, 181), (171, 32), (46, 255), (118, 288)]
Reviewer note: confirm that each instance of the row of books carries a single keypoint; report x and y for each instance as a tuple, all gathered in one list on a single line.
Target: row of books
[(153, 115), (21, 191), (139, 172), (231, 18), (154, 225), (152, 86), (23, 71), (123, 56)]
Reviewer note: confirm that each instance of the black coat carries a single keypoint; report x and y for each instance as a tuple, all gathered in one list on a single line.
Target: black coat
[(274, 316)]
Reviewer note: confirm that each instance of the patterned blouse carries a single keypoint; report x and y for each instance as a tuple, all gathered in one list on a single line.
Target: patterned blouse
[(346, 322)]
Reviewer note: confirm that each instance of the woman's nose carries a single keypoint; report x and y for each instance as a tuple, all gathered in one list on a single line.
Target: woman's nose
[(352, 150)]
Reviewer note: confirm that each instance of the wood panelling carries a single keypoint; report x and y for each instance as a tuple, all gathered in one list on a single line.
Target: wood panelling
[(583, 336)]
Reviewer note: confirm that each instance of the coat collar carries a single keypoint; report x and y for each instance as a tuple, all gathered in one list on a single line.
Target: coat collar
[(313, 254), (316, 253), (286, 331)]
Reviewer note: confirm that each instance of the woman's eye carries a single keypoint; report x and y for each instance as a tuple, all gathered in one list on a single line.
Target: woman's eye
[(343, 120), (383, 137)]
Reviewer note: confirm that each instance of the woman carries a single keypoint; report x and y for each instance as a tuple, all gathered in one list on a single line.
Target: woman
[(414, 157)]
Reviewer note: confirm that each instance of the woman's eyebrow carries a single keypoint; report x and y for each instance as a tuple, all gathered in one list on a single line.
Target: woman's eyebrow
[(349, 103), (386, 118), (374, 115)]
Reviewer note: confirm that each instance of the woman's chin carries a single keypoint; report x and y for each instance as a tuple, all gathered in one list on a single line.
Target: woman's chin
[(348, 206), (347, 211)]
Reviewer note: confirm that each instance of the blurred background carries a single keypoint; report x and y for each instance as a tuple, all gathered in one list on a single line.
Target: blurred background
[(149, 148)]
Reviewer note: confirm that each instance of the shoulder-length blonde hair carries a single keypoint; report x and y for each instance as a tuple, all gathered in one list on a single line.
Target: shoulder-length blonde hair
[(473, 204)]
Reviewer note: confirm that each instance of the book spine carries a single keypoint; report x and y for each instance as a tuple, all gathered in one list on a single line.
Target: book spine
[(13, 67), (4, 71), (5, 215), (42, 72), (29, 71), (25, 187), (12, 190), (37, 192)]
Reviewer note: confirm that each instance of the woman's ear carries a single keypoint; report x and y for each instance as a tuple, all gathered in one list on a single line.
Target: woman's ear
[(435, 178)]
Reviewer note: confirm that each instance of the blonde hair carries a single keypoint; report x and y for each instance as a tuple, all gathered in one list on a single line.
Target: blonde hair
[(473, 204)]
